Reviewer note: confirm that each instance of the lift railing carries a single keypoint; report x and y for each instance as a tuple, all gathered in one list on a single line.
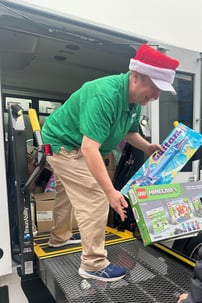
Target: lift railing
[(19, 183)]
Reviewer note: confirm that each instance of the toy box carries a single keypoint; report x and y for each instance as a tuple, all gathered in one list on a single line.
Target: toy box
[(162, 167), (167, 211)]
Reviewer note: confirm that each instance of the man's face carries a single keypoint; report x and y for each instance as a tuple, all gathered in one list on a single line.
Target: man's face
[(142, 90)]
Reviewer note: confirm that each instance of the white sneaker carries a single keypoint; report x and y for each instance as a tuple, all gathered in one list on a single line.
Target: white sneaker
[(75, 239)]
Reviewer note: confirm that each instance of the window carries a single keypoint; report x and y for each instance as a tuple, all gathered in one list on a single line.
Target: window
[(42, 107), (25, 103), (47, 107)]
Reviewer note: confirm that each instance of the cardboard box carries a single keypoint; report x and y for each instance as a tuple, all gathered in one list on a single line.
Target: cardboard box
[(44, 210), (167, 211)]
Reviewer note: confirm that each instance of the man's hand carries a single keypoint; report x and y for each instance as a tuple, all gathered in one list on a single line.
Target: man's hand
[(94, 160), (118, 203), (139, 142), (151, 148)]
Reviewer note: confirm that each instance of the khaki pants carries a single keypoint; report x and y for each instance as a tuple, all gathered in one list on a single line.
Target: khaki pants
[(78, 191)]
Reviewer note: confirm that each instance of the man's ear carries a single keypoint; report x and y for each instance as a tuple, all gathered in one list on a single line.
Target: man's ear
[(134, 75)]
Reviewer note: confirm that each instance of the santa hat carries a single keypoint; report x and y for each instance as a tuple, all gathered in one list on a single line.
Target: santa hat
[(158, 66)]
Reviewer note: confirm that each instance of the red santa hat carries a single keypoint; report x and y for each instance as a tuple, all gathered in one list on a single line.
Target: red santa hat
[(158, 66)]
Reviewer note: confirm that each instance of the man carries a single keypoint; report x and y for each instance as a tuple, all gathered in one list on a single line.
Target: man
[(88, 126)]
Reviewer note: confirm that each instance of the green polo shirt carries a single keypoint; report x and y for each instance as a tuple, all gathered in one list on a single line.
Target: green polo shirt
[(98, 110)]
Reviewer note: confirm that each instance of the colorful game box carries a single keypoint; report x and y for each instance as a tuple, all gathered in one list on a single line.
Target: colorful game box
[(162, 167), (167, 211)]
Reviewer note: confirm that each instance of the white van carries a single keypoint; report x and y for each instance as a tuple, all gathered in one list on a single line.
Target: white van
[(45, 57)]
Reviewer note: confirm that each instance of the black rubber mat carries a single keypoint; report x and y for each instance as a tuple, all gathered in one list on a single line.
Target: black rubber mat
[(153, 276), (42, 250)]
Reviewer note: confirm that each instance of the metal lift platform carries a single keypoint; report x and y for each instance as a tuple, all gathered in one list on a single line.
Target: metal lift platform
[(153, 274)]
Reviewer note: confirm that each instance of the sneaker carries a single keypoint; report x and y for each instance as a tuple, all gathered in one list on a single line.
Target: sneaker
[(110, 273), (75, 239)]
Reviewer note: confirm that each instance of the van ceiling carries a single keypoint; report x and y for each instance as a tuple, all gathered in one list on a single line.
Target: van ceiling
[(43, 52)]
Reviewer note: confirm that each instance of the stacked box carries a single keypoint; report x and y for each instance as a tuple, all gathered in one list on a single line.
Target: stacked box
[(167, 211), (162, 167)]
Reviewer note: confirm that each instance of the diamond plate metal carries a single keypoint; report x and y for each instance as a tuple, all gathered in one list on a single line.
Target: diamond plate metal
[(153, 276)]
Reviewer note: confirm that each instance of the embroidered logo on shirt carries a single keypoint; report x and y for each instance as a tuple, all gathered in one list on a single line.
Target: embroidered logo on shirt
[(133, 118)]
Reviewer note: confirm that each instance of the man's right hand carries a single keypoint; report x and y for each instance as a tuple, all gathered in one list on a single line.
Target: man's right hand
[(118, 203)]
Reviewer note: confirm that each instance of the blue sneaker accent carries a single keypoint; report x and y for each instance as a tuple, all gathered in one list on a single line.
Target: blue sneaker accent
[(75, 239), (110, 273)]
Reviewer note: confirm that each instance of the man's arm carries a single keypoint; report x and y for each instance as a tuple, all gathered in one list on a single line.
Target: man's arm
[(136, 140), (95, 163)]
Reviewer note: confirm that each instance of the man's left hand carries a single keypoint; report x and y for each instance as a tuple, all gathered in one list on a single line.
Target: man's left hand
[(154, 147)]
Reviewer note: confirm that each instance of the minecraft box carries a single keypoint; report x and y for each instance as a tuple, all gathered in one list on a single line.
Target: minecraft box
[(167, 211)]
